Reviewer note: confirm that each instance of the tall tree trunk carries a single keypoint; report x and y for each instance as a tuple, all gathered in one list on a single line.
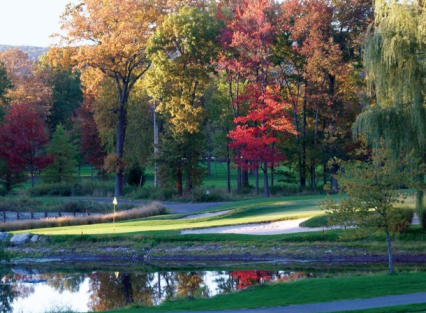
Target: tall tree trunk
[(245, 178), (179, 179), (272, 164), (156, 178), (266, 192), (121, 133), (299, 149), (303, 171), (390, 255), (256, 178), (419, 199), (313, 162), (324, 173), (32, 173), (333, 181), (228, 170), (334, 167), (239, 178), (209, 162)]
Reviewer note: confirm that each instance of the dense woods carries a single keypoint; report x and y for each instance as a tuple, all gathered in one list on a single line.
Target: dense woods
[(269, 89)]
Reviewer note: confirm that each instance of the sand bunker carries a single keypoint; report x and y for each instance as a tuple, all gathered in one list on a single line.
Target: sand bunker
[(204, 215), (273, 228)]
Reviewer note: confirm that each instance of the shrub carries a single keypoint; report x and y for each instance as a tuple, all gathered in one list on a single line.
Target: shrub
[(201, 195), (83, 188), (148, 210), (400, 220), (160, 194)]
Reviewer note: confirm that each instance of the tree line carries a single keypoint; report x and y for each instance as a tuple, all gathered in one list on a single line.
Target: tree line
[(268, 87)]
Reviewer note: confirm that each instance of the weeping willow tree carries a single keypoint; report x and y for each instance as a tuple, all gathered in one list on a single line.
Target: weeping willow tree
[(395, 64)]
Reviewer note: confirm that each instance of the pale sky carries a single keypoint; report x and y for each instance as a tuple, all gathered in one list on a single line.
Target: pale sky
[(30, 22)]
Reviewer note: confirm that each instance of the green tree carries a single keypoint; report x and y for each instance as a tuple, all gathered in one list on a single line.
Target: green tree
[(66, 97), (396, 72), (372, 192), (181, 50), (64, 152)]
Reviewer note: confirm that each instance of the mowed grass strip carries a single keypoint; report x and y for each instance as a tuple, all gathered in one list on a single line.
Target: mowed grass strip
[(417, 308), (300, 292), (252, 211)]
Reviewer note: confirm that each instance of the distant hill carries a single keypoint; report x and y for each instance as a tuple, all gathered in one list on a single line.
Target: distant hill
[(33, 52)]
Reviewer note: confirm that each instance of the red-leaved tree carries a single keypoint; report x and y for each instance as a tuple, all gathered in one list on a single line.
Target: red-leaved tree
[(247, 40), (256, 133), (23, 137)]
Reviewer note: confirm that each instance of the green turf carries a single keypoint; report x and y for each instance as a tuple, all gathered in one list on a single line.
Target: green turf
[(300, 292), (417, 308), (251, 211)]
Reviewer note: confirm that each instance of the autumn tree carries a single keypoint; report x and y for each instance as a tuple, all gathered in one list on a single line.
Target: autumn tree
[(63, 153), (23, 137), (29, 84), (251, 34), (181, 50), (396, 72), (5, 85), (117, 32), (257, 132)]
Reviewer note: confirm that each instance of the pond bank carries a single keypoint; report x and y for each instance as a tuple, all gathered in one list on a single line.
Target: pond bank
[(211, 252)]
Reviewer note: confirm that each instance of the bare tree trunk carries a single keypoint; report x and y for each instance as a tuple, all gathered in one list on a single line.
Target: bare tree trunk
[(121, 133), (313, 163), (209, 162), (156, 179), (303, 169), (32, 174), (245, 179), (390, 255), (179, 179), (239, 178), (228, 171), (266, 192), (419, 200), (256, 178)]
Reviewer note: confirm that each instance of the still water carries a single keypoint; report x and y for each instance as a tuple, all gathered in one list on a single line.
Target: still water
[(31, 291)]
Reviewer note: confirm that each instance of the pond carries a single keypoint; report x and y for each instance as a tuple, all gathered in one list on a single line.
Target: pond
[(35, 291)]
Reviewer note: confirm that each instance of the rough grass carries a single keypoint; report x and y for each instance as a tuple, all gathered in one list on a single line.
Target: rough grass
[(252, 211), (300, 292), (152, 209)]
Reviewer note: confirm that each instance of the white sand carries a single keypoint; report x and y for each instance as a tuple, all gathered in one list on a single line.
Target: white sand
[(273, 228), (204, 215)]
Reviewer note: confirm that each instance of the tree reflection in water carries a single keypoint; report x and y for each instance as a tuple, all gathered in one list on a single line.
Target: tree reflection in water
[(108, 291), (7, 294)]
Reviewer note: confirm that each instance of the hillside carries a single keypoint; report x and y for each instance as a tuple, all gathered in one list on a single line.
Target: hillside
[(33, 52)]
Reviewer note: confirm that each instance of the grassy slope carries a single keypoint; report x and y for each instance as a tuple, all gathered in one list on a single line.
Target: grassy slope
[(252, 211), (301, 292)]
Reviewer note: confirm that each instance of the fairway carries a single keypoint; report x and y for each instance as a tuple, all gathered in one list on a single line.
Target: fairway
[(251, 211)]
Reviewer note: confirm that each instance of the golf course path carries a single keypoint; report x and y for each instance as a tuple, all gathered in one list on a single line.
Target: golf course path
[(177, 208), (338, 306)]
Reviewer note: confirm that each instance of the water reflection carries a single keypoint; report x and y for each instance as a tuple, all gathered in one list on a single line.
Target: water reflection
[(29, 292)]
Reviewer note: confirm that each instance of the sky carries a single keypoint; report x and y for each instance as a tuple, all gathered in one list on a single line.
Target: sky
[(30, 22)]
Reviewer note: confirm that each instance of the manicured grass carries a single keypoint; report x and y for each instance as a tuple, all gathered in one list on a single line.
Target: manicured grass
[(316, 221), (417, 308), (252, 211), (300, 292)]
